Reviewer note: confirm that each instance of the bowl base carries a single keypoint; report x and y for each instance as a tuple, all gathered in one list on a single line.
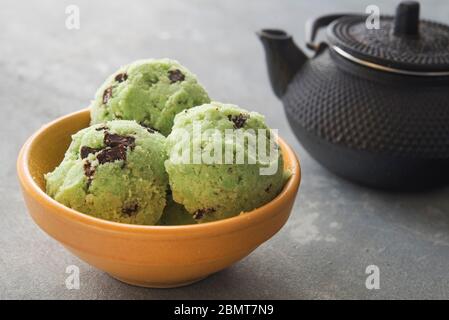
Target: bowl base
[(157, 285)]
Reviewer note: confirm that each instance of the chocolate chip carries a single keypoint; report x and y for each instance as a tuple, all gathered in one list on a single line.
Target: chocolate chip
[(199, 214), (175, 76), (121, 77), (239, 121), (88, 172), (112, 154), (107, 94), (101, 128), (114, 140), (267, 189), (130, 208), (85, 151)]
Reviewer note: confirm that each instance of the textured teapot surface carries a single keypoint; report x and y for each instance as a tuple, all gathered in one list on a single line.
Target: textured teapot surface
[(371, 105), (393, 116)]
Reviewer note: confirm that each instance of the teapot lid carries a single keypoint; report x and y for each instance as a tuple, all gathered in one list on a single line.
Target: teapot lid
[(402, 44)]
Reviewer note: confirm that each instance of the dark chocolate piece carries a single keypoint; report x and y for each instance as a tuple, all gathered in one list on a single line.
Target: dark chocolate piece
[(267, 189), (112, 154), (89, 172), (114, 140), (239, 121), (130, 208), (107, 94), (121, 77), (85, 151), (199, 214), (175, 76)]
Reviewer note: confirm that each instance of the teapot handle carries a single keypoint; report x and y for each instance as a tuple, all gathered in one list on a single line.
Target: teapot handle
[(314, 25)]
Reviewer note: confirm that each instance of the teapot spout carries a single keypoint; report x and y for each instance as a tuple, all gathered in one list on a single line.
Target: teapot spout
[(283, 57)]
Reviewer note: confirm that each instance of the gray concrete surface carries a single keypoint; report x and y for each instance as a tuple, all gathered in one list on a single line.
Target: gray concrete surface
[(336, 229)]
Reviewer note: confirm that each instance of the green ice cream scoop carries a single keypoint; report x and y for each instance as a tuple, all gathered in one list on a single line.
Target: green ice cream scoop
[(114, 171), (213, 189), (175, 215), (150, 92)]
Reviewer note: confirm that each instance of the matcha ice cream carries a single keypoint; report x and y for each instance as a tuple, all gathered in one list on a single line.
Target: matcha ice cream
[(213, 190), (175, 215), (150, 92), (114, 171), (122, 167)]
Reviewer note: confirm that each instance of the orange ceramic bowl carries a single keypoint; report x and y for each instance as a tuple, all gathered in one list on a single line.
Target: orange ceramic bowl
[(150, 256)]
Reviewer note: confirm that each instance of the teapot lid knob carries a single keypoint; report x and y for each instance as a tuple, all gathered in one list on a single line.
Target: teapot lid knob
[(406, 22)]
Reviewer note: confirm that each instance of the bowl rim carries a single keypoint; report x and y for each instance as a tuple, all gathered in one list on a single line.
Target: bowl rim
[(238, 222)]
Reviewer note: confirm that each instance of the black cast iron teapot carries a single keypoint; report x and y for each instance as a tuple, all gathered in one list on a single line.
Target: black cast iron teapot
[(371, 105)]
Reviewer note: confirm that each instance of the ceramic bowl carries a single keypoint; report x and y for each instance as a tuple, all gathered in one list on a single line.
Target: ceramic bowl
[(150, 256)]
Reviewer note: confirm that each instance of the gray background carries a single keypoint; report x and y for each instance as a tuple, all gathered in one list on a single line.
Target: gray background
[(336, 229)]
